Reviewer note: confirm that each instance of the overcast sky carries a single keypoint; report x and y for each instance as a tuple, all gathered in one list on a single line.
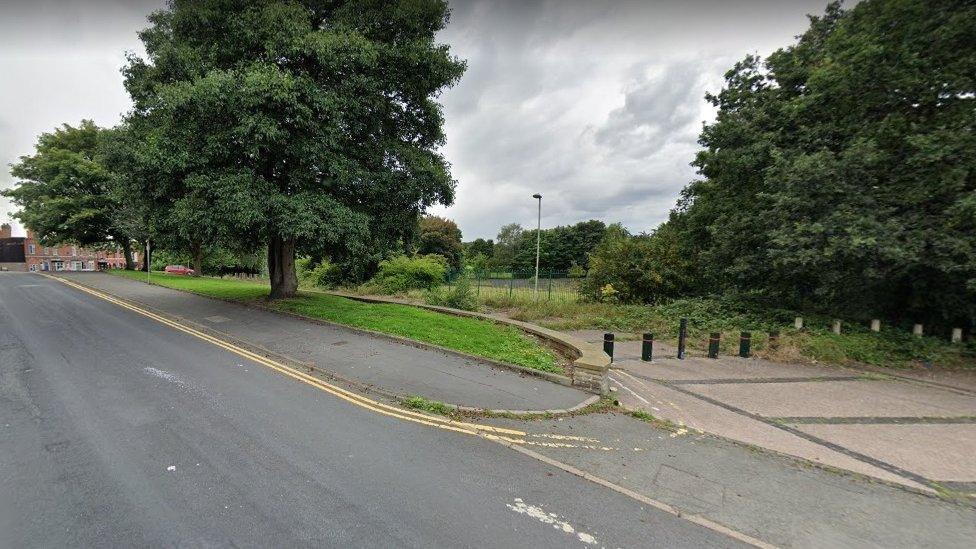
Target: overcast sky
[(595, 104)]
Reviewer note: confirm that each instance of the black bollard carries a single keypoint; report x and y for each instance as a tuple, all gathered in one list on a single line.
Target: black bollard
[(608, 344), (744, 343), (647, 347), (682, 335), (713, 341)]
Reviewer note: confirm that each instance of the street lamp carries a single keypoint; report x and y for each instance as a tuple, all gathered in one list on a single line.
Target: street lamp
[(538, 241)]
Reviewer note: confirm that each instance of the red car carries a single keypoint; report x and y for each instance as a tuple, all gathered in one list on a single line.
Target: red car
[(179, 270)]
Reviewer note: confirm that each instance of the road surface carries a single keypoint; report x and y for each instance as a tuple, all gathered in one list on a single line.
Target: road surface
[(117, 430)]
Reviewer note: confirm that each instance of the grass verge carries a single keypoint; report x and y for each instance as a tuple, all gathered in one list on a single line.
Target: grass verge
[(431, 406), (468, 335)]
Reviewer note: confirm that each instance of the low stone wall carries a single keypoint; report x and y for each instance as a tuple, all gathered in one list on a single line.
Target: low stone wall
[(590, 364), (18, 267)]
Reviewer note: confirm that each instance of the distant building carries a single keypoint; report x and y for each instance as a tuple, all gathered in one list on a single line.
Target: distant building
[(27, 254), (11, 250)]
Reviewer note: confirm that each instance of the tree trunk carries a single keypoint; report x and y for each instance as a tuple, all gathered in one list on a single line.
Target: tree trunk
[(196, 248), (127, 254), (281, 267)]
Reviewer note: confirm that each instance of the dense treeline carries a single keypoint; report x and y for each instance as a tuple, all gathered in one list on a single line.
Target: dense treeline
[(841, 172), (563, 248)]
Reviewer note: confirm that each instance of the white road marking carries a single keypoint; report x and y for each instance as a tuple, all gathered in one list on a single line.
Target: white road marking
[(183, 385), (563, 437), (163, 374), (629, 390), (552, 519)]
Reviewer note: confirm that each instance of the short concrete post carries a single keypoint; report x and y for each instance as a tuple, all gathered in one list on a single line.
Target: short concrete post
[(682, 336), (917, 330), (957, 335), (773, 339), (647, 347), (836, 327), (713, 341), (798, 323), (745, 342), (608, 345), (876, 325)]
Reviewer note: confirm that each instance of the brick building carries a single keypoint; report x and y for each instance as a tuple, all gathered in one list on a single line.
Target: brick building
[(26, 254)]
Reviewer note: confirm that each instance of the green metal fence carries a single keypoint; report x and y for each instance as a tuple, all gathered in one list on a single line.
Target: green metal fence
[(521, 285)]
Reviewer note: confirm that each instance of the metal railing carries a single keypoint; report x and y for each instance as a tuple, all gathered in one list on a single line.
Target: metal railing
[(521, 285)]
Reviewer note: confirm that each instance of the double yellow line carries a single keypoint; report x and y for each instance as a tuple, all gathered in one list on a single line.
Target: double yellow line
[(486, 431)]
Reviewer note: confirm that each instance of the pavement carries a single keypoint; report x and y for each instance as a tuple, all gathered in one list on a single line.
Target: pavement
[(117, 429), (915, 430), (381, 363), (780, 500)]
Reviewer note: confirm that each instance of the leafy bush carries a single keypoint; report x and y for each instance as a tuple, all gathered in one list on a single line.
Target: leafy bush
[(323, 274), (402, 273), (639, 269), (460, 296)]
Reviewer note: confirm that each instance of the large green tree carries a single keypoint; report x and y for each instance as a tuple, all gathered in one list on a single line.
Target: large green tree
[(300, 125), (441, 236), (67, 193), (561, 247), (841, 172)]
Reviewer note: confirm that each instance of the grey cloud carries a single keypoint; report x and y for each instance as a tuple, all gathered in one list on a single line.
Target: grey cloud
[(597, 105), (661, 107)]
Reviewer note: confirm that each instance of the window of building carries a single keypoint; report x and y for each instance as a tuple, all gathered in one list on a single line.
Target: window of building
[(30, 249)]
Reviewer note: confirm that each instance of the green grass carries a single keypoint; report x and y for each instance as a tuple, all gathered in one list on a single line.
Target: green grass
[(501, 296), (427, 405), (468, 335), (229, 288)]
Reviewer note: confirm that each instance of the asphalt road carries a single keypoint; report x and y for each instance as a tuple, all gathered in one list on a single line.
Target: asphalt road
[(116, 430), (391, 366)]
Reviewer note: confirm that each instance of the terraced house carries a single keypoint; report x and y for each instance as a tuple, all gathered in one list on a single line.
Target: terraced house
[(18, 253)]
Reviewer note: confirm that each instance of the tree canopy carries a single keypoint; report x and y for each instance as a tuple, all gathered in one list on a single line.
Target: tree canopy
[(67, 192), (299, 125), (441, 236), (561, 247), (841, 171)]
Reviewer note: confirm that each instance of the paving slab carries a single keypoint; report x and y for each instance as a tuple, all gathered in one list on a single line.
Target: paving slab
[(697, 415), (396, 367), (730, 368), (936, 451), (841, 398)]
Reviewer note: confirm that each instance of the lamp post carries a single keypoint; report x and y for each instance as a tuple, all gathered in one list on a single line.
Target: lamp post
[(538, 242)]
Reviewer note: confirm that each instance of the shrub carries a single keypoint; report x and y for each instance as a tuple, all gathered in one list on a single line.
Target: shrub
[(641, 269), (322, 275), (460, 296), (402, 273), (608, 294)]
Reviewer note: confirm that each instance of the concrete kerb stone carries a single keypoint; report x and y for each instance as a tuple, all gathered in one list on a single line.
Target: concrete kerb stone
[(360, 386), (590, 365)]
